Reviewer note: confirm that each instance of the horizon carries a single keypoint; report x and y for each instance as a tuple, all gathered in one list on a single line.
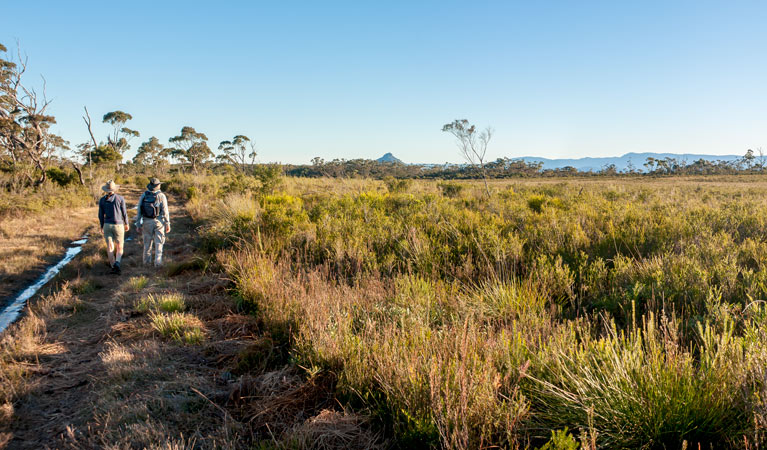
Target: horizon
[(531, 157), (354, 81)]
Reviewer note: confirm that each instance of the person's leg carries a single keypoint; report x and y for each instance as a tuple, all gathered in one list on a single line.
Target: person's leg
[(110, 251), (119, 242), (109, 238), (159, 241), (147, 233)]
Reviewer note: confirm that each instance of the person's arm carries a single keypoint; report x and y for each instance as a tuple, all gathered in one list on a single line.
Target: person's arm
[(101, 214), (165, 212), (124, 212), (139, 216)]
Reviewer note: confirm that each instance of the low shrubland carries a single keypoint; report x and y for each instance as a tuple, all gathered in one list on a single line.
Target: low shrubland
[(614, 314), (585, 314)]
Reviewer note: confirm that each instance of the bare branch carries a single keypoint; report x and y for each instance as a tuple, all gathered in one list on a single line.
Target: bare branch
[(87, 119)]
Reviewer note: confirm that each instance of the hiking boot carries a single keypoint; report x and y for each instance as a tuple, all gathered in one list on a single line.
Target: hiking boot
[(116, 269)]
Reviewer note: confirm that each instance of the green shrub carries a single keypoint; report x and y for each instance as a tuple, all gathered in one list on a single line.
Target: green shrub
[(561, 440), (192, 192), (536, 202), (630, 315), (62, 177), (240, 183), (395, 185), (451, 190), (269, 177)]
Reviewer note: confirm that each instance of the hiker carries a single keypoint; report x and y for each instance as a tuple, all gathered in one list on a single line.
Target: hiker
[(153, 219), (113, 217)]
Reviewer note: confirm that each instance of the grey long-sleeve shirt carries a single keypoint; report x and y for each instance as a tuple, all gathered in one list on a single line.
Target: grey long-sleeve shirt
[(112, 210), (164, 215)]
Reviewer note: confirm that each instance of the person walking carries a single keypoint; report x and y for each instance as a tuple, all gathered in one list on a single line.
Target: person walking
[(153, 219), (113, 218)]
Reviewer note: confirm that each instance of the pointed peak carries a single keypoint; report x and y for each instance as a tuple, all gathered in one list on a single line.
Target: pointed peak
[(389, 158)]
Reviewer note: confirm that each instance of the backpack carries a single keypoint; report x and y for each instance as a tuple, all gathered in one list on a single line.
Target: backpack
[(150, 205)]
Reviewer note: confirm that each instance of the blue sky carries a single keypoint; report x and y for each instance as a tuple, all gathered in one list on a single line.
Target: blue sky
[(357, 79)]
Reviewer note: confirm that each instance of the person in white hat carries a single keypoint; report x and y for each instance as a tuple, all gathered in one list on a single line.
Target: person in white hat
[(113, 217)]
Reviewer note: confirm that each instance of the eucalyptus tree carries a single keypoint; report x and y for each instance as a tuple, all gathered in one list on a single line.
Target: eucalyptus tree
[(152, 153), (26, 141), (472, 144), (240, 152), (191, 147), (117, 141), (121, 135)]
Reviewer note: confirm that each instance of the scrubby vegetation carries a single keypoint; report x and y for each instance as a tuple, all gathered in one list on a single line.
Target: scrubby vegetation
[(612, 314)]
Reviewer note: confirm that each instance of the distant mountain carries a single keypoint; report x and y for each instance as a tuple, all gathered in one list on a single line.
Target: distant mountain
[(389, 158), (622, 162)]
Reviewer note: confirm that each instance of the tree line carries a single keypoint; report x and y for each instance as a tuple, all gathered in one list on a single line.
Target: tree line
[(30, 153)]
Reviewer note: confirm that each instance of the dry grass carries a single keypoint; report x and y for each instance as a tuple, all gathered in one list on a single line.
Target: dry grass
[(136, 284), (26, 341), (331, 430), (31, 243)]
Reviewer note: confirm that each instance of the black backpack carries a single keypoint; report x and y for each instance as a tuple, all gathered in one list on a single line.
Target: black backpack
[(150, 205)]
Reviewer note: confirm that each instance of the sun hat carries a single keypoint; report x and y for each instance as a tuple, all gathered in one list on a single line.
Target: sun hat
[(110, 186), (154, 183)]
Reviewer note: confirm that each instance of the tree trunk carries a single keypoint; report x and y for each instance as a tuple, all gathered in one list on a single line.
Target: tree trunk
[(79, 173), (484, 178), (41, 180)]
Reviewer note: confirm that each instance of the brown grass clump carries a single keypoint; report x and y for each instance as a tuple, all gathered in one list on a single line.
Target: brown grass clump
[(118, 360), (275, 401), (332, 430), (233, 325)]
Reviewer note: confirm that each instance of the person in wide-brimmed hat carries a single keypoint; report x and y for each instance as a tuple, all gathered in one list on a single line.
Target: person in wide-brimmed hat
[(113, 218), (153, 219)]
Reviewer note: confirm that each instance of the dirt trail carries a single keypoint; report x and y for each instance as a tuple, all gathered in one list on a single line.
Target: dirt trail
[(60, 394)]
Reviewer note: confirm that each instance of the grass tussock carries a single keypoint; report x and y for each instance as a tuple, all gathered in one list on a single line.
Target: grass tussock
[(136, 284), (84, 286), (331, 430), (176, 268), (168, 302), (179, 327)]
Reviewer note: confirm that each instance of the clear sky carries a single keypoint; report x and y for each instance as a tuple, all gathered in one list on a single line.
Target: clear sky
[(357, 79)]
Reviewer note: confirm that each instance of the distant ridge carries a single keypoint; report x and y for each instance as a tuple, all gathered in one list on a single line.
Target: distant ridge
[(637, 160), (389, 158)]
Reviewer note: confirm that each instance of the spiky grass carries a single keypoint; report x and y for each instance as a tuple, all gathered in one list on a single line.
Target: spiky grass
[(136, 284), (168, 302), (84, 286), (179, 327), (172, 302)]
